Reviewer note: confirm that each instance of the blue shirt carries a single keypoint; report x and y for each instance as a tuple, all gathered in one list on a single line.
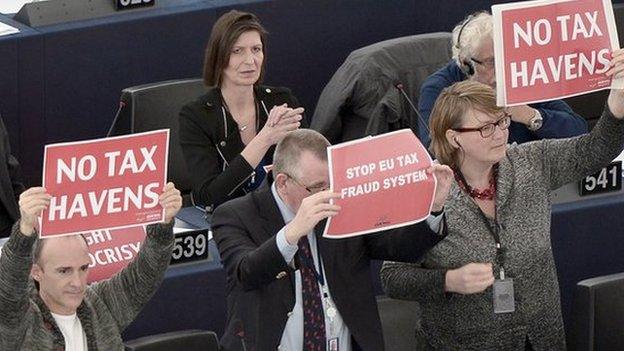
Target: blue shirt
[(559, 121)]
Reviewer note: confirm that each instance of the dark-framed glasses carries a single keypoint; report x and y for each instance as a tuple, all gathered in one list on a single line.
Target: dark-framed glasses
[(312, 189), (488, 129)]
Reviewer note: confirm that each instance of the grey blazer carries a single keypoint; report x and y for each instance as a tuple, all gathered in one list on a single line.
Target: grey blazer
[(527, 175)]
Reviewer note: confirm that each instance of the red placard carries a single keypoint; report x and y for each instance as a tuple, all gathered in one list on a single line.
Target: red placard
[(104, 183), (549, 49), (111, 251), (382, 181)]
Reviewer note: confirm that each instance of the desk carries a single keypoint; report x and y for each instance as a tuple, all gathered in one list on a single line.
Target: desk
[(587, 240), (192, 296)]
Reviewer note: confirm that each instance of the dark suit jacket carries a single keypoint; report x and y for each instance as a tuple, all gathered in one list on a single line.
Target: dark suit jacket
[(11, 185), (260, 298), (207, 140)]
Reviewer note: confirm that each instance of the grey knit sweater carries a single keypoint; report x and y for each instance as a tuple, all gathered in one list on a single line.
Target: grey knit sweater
[(108, 307), (527, 175)]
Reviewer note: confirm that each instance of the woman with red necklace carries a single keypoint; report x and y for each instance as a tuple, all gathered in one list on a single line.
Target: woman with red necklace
[(491, 284)]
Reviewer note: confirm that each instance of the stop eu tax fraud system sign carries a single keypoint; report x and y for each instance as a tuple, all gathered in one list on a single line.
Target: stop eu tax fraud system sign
[(104, 183), (382, 181)]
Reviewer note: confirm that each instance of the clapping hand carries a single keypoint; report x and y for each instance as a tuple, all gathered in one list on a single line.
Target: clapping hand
[(444, 175), (282, 120)]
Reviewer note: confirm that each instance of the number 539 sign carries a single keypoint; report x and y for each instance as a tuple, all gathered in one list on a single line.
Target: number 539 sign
[(608, 179), (191, 246)]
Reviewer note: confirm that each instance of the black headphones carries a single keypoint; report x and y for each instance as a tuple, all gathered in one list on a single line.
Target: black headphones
[(466, 65)]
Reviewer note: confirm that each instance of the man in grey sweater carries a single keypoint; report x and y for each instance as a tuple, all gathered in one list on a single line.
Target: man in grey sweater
[(59, 311)]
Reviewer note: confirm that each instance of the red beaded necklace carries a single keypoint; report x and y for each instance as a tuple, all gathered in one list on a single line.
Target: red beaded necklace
[(485, 194)]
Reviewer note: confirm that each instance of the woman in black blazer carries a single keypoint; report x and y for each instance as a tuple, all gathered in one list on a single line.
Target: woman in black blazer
[(228, 134)]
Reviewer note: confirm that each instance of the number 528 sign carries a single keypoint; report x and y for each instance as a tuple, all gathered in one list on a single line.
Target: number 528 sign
[(608, 179)]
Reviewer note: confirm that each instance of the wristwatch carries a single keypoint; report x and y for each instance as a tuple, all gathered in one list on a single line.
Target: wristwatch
[(536, 122)]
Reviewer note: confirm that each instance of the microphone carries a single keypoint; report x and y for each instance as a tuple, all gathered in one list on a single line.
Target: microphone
[(122, 104), (420, 118)]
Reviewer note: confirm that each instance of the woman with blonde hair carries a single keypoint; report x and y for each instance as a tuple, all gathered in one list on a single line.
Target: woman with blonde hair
[(491, 284)]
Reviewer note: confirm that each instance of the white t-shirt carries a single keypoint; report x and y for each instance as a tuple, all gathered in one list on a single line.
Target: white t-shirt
[(70, 326)]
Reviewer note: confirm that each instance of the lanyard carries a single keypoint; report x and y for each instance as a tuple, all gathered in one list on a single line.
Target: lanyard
[(500, 249), (320, 277)]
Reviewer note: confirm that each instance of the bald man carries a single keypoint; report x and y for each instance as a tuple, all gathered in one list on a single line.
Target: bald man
[(59, 311)]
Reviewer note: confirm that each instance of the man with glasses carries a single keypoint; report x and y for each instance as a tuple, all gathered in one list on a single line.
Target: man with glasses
[(473, 59), (288, 287)]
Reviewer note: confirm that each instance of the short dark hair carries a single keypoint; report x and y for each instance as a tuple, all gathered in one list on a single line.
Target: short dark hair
[(224, 34)]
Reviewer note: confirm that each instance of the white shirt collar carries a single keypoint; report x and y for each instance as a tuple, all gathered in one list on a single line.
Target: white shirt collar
[(287, 213)]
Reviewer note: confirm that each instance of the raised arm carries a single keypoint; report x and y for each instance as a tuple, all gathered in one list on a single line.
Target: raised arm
[(255, 264), (129, 290), (15, 266), (567, 160)]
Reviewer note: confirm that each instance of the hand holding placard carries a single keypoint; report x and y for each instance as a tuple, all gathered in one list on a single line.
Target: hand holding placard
[(616, 97), (444, 175), (313, 209), (31, 203), (171, 201)]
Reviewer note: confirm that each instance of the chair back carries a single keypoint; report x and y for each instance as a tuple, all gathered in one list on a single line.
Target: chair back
[(187, 340), (362, 97), (400, 321), (157, 106), (598, 314)]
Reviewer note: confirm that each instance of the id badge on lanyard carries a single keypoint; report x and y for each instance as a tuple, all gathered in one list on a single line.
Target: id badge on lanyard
[(503, 294), (333, 341), (503, 290)]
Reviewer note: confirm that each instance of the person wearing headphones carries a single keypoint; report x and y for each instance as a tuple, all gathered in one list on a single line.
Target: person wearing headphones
[(473, 59), (228, 134)]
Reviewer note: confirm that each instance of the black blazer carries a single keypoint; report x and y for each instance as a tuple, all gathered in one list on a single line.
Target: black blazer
[(11, 185), (208, 140), (259, 294)]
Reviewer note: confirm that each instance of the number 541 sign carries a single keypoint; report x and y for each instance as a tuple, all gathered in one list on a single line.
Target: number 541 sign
[(608, 179)]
